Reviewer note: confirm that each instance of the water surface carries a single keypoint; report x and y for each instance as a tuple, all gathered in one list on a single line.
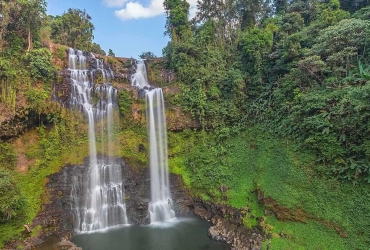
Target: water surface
[(179, 234)]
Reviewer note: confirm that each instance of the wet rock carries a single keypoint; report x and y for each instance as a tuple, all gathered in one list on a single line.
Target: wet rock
[(230, 230), (66, 245), (56, 218)]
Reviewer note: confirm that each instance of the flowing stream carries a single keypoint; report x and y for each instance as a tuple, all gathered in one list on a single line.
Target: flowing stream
[(98, 202)]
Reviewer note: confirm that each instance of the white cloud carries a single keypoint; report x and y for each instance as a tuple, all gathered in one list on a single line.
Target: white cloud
[(193, 8), (114, 3), (192, 12), (135, 10)]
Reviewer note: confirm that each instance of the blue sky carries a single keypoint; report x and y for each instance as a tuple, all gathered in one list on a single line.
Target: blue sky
[(128, 28)]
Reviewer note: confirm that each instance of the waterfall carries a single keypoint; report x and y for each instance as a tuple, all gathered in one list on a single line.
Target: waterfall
[(160, 206), (101, 204), (140, 78)]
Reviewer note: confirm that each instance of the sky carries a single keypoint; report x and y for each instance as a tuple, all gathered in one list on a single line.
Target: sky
[(128, 27)]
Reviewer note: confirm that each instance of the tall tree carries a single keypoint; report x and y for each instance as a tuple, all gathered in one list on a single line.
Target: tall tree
[(177, 23), (31, 17), (74, 28), (22, 18)]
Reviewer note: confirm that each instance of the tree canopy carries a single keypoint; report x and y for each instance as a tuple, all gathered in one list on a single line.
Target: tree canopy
[(299, 68), (74, 28)]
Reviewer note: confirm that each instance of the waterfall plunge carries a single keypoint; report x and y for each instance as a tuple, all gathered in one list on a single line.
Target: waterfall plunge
[(102, 204), (160, 206)]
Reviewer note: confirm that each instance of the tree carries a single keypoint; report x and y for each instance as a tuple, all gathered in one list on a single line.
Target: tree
[(147, 55), (74, 28), (95, 48), (31, 18), (340, 45), (21, 19), (177, 23), (353, 5), (111, 53)]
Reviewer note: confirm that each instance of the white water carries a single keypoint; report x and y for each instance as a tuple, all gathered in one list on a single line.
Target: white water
[(100, 203), (160, 206), (140, 78)]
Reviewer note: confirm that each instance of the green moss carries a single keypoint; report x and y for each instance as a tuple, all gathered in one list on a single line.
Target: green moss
[(309, 236), (125, 102), (47, 152), (133, 141), (35, 231), (254, 160)]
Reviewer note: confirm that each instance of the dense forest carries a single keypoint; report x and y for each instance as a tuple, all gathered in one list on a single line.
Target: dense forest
[(281, 90), (282, 93), (297, 68)]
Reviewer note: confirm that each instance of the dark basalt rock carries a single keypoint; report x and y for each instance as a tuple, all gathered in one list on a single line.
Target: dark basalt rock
[(230, 230), (56, 217)]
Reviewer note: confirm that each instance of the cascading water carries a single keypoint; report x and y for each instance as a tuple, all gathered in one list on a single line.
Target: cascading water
[(160, 206), (140, 78), (102, 204)]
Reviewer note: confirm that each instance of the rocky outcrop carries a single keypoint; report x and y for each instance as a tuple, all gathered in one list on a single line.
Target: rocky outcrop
[(235, 236), (118, 70), (66, 245), (157, 72), (13, 125), (228, 225)]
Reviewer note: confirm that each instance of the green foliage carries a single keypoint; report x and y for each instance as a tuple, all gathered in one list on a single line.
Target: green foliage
[(231, 167), (8, 84), (48, 150), (95, 48), (37, 99), (297, 74), (177, 23), (11, 200), (23, 20), (353, 5), (39, 64), (125, 103), (363, 14), (74, 29), (339, 45), (255, 45), (61, 52), (8, 156), (147, 55)]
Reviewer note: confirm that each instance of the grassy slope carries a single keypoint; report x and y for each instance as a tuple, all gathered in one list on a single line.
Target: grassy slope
[(253, 160)]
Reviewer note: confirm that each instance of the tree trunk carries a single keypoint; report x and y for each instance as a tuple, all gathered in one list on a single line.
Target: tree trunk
[(29, 40)]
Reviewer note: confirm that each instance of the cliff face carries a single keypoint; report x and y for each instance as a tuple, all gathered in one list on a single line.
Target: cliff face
[(17, 121), (56, 219)]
